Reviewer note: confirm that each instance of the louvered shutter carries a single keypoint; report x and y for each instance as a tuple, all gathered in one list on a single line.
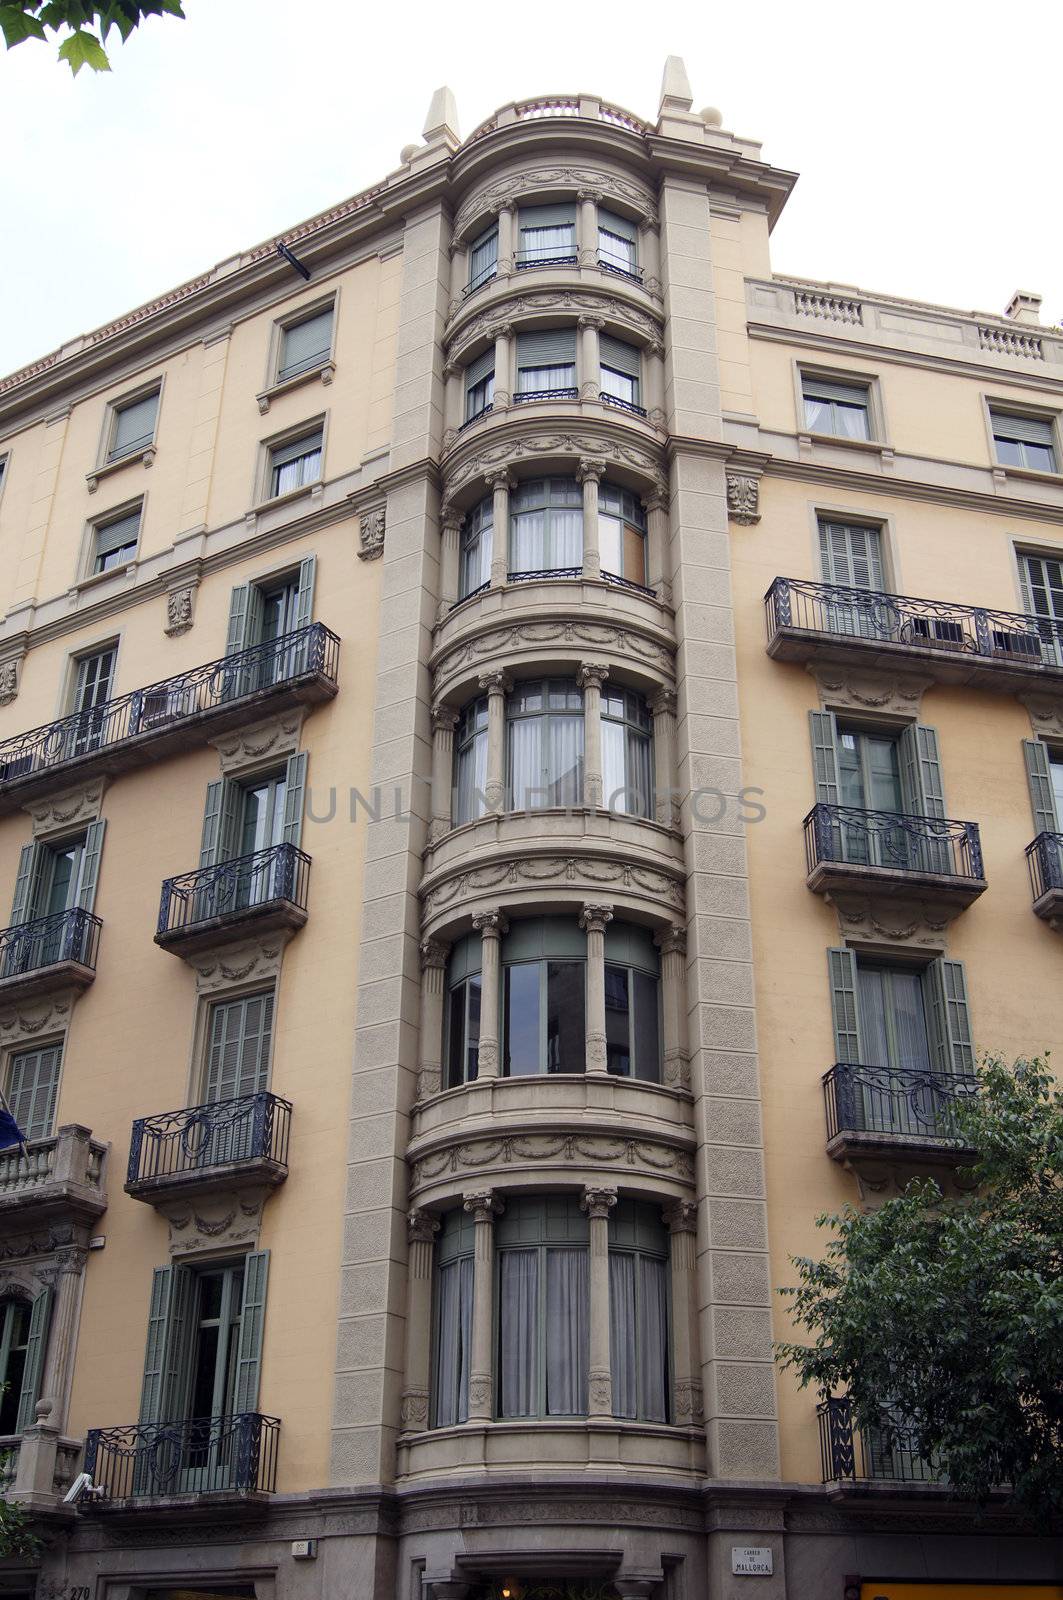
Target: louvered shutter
[(155, 1348), (294, 793), (33, 1370), (480, 369), (89, 872), (546, 347), (305, 345), (823, 727), (304, 598), (844, 1005), (547, 216), (1039, 777), (623, 227), (237, 638), (622, 357), (134, 425), (27, 881), (921, 771), (239, 1050), (950, 1017), (851, 555), (33, 1089), (252, 1327), (1031, 430), (208, 847), (176, 1374)]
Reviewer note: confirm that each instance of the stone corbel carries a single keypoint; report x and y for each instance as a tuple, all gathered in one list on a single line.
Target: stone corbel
[(371, 533), (257, 961), (892, 694), (218, 1221), (743, 498), (10, 674), (888, 925), (180, 610), (61, 812), (273, 740)]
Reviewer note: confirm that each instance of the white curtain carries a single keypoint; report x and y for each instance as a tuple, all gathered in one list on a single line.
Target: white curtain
[(622, 1333), (526, 764), (519, 1328), (611, 544), (909, 1021), (565, 773), (653, 1339), (553, 241), (567, 530), (621, 252), (471, 780), (455, 1334), (566, 1333), (533, 380), (614, 775), (527, 541)]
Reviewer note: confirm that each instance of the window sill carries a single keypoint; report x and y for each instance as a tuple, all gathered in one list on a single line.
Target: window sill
[(305, 491), (146, 457), (95, 579), (325, 372), (1026, 474), (869, 446)]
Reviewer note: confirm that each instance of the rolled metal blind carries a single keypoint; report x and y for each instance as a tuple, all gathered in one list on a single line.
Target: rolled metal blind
[(853, 394), (481, 368), (623, 227), (547, 216), (546, 347), (620, 357), (116, 534), (1032, 430), (281, 454)]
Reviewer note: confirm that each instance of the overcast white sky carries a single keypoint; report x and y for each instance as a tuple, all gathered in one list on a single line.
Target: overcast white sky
[(927, 133)]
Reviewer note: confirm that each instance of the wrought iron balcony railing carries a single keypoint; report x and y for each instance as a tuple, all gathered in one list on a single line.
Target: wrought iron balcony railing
[(205, 1455), (630, 406), (629, 583), (545, 258), (476, 415), (895, 1103), (566, 392), (161, 707), (544, 572), (72, 936), (876, 617), (247, 884), (849, 836), (254, 1127), (1045, 860), (622, 269), (480, 279), (888, 1454)]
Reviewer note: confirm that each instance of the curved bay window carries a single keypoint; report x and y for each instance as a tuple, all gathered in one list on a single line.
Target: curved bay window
[(622, 534), (476, 548), (617, 244), (632, 1003), (621, 372), (546, 365), (627, 752), (544, 1007), (462, 1042), (452, 1330), (483, 258), (544, 739), (638, 1312), (546, 528), (480, 384), (543, 1308), (470, 763)]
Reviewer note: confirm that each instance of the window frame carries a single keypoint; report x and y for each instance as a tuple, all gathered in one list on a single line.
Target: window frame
[(483, 516), (29, 1046), (96, 525), (264, 498), (630, 965), (878, 436), (637, 520), (821, 511), (105, 463), (548, 687), (199, 1048), (633, 1209), (324, 371), (993, 407), (542, 1246), (15, 1298), (486, 276), (462, 1251), (547, 507)]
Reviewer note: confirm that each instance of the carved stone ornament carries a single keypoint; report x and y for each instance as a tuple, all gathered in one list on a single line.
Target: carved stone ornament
[(532, 637), (61, 812), (371, 532), (503, 191), (554, 1150), (588, 874), (503, 454), (1046, 715), (598, 1200), (272, 740), (887, 923), (36, 1022), (681, 1216), (214, 1222), (479, 1395), (180, 610), (489, 324), (879, 1181), (429, 1082), (257, 961), (676, 1069), (434, 953), (743, 498), (9, 676), (688, 1402), (414, 1411), (595, 918), (421, 1224), (894, 694), (672, 940), (482, 1204), (600, 1387)]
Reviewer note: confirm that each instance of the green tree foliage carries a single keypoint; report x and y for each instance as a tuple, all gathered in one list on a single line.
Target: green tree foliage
[(84, 25), (948, 1311), (16, 1537)]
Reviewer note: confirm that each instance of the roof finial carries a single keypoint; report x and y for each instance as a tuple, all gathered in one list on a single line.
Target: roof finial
[(675, 87), (442, 119)]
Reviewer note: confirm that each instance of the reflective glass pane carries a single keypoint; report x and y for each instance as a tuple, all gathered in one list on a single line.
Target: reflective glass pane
[(521, 1044)]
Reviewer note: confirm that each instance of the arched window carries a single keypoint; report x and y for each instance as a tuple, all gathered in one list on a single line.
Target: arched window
[(462, 1042), (622, 534), (545, 745), (546, 527), (544, 1026), (638, 1312), (627, 752), (543, 1308), (452, 1331), (632, 1003), (470, 763), (476, 547)]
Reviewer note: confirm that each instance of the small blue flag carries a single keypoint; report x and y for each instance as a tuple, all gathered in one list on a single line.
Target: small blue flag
[(10, 1132)]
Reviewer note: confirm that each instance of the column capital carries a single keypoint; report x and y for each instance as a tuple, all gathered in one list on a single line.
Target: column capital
[(595, 918), (597, 323), (433, 953), (451, 520), (444, 718), (482, 1204), (671, 941), (681, 1216), (495, 682), (597, 1200), (659, 500), (590, 194), (500, 478), (656, 347), (421, 1224), (590, 469), (451, 368), (501, 330), (648, 222), (664, 700), (491, 924), (591, 674)]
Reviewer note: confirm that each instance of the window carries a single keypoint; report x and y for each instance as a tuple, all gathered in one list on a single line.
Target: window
[(546, 364), (452, 1333), (1023, 441), (544, 998), (305, 345), (470, 763), (274, 613), (114, 542), (885, 772), (132, 426), (546, 527), (547, 236), (1041, 580), (461, 1046), (483, 258), (843, 409), (243, 824), (621, 368), (476, 535), (293, 465), (240, 1037), (851, 555), (621, 534), (627, 752), (632, 1003), (24, 1327), (617, 244), (54, 876), (480, 384), (544, 726), (869, 770), (638, 1312), (33, 1088), (543, 1308)]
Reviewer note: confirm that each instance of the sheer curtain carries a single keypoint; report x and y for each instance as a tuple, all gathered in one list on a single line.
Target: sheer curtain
[(564, 778), (873, 1017), (550, 241), (471, 780), (622, 1333), (653, 1339), (528, 539), (538, 380), (614, 776), (518, 1332), (455, 1333), (567, 1333), (567, 530), (909, 1021), (526, 763)]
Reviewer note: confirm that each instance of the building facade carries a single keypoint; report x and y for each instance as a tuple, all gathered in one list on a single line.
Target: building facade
[(490, 580)]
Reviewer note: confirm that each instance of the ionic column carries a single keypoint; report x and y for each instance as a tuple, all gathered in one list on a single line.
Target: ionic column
[(591, 676), (658, 562), (496, 685), (421, 1229), (491, 926), (449, 554), (70, 1262), (662, 705), (597, 1202), (506, 240), (672, 943), (587, 227), (681, 1220), (503, 394), (482, 1206), (590, 474), (444, 721), (594, 919), (430, 1044), (650, 253), (589, 373), (500, 483)]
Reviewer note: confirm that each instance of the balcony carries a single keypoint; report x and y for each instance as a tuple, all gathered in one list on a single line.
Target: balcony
[(895, 1112), (889, 1454), (892, 853), (1044, 857), (255, 894), (57, 1178), (144, 1462), (230, 1144), (956, 644), (297, 669), (48, 954)]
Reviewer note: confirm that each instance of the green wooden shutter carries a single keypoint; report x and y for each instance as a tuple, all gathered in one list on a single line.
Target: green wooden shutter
[(178, 1351), (252, 1323), (238, 1055), (950, 1017), (237, 639), (294, 792), (28, 875), (824, 730), (924, 794), (155, 1349), (90, 866), (1039, 777), (33, 1088), (221, 822), (208, 847), (304, 599), (33, 1371), (844, 1005)]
